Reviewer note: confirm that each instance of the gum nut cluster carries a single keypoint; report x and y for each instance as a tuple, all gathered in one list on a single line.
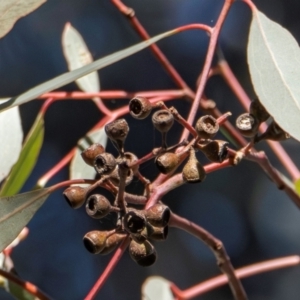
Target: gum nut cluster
[(142, 225), (248, 124), (114, 173)]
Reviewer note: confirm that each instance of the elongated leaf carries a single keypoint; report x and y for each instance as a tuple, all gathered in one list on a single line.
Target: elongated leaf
[(78, 55), (18, 291), (12, 10), (27, 159), (274, 63), (78, 168), (66, 78), (16, 211), (11, 136), (297, 186), (156, 287)]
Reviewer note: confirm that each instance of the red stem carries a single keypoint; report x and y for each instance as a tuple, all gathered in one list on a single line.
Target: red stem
[(218, 250), (26, 285), (129, 12), (158, 191), (207, 65), (258, 268), (109, 268), (112, 94)]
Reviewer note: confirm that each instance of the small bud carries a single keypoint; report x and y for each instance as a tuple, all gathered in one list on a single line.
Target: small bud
[(97, 206), (94, 241), (117, 132), (112, 242), (247, 125), (75, 196), (143, 253), (274, 133), (91, 152), (207, 127), (158, 215), (167, 162), (140, 107), (159, 233), (104, 163), (215, 151), (134, 221), (258, 111), (193, 171), (163, 120)]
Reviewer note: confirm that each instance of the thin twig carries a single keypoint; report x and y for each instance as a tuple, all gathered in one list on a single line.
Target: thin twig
[(26, 285), (115, 94), (251, 270), (129, 13), (278, 178), (217, 248), (109, 268), (207, 65)]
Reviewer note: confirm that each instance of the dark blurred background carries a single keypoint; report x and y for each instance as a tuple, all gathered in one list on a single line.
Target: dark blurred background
[(238, 205)]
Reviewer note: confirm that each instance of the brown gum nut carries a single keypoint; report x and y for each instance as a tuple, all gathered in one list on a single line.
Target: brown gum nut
[(140, 107)]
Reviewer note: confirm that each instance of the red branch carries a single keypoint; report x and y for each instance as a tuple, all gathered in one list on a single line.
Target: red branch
[(26, 285), (254, 269)]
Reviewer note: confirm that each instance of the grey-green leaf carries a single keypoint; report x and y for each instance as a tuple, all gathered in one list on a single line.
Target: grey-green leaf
[(274, 63), (66, 78), (77, 55), (11, 136), (16, 211), (27, 159), (156, 287), (12, 10), (78, 168)]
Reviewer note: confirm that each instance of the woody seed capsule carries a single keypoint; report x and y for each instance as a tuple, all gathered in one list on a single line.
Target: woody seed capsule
[(112, 242), (140, 107), (143, 253), (134, 221), (163, 120), (117, 132), (97, 206), (104, 163), (274, 132), (193, 171), (258, 111), (167, 162), (158, 214), (91, 152), (207, 127), (94, 241), (75, 196), (247, 125), (215, 151)]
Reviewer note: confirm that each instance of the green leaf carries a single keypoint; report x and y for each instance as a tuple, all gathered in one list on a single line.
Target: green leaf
[(66, 78), (19, 292), (297, 186), (16, 211), (78, 168), (12, 10), (11, 136), (27, 159), (274, 63)]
